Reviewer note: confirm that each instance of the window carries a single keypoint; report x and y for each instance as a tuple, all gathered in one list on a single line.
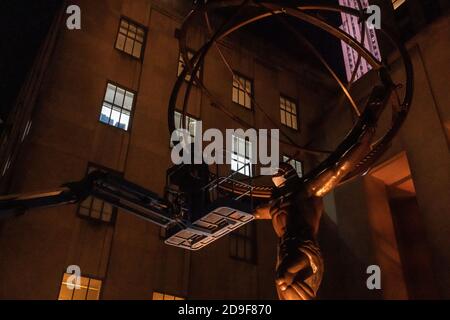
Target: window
[(117, 106), (181, 65), (97, 209), (397, 3), (189, 125), (130, 38), (89, 288), (243, 243), (163, 296), (242, 91), (297, 165), (241, 156), (288, 112)]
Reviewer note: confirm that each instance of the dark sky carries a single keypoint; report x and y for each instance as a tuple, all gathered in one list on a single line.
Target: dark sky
[(271, 29), (23, 25)]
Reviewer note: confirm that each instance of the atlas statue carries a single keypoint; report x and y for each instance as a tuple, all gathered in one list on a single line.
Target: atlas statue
[(200, 205)]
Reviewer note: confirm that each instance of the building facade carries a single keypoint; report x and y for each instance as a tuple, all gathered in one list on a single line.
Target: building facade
[(102, 102)]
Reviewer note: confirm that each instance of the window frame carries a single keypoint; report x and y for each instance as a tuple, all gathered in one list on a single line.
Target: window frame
[(90, 277), (286, 157), (144, 39), (252, 88), (295, 102), (199, 71), (188, 116), (133, 106), (233, 153), (237, 237), (114, 212)]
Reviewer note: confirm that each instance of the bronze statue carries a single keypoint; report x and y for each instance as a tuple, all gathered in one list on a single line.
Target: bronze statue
[(297, 207)]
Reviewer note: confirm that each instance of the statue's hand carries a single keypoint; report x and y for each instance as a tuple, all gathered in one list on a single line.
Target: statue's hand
[(299, 270)]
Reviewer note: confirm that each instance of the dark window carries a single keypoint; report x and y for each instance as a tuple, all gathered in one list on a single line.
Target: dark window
[(117, 106), (243, 243), (242, 91), (130, 38), (298, 165), (181, 65), (96, 209)]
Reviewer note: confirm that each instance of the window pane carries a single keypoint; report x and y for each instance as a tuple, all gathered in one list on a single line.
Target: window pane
[(288, 119), (110, 91), (235, 82), (177, 120), (283, 117), (129, 97), (137, 49), (248, 101), (120, 96), (93, 295), (105, 115), (129, 45), (115, 117), (107, 212), (80, 294), (120, 41), (65, 293), (124, 120), (95, 284), (235, 95), (241, 97), (123, 31), (158, 296), (294, 108)]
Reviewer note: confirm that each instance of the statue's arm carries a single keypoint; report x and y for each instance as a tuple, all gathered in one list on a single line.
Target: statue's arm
[(355, 147)]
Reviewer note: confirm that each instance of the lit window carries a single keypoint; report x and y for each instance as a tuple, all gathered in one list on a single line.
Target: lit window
[(189, 125), (241, 156), (97, 209), (288, 112), (88, 289), (243, 243), (397, 3), (163, 296), (117, 106), (242, 91), (297, 165), (181, 65), (130, 38)]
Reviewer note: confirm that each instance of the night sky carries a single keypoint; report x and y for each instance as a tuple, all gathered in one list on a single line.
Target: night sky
[(23, 26)]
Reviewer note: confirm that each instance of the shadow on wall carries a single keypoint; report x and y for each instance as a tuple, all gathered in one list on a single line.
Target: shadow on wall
[(345, 276)]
